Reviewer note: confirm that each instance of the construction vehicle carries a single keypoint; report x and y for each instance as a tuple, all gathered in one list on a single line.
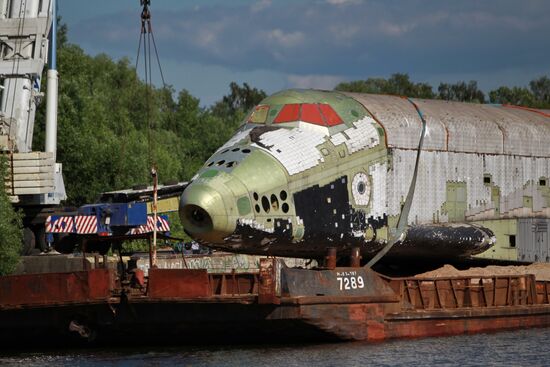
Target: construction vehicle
[(34, 179), (96, 227), (119, 215)]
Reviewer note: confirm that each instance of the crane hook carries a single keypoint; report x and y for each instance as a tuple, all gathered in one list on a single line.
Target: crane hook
[(145, 16)]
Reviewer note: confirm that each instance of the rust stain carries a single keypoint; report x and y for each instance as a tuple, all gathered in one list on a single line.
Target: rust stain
[(55, 288), (178, 283)]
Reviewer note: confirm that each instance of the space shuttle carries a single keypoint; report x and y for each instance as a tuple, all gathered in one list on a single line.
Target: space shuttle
[(310, 170)]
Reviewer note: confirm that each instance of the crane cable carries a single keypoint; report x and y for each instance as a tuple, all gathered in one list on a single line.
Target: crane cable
[(146, 35), (147, 38)]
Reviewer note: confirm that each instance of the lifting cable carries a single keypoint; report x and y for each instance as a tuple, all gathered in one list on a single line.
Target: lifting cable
[(146, 36), (147, 39)]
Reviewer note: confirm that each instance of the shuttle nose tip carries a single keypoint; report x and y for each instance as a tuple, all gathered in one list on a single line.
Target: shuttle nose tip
[(197, 217), (204, 215)]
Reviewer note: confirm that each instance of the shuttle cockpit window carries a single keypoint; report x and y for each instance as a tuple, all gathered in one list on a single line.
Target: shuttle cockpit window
[(259, 115), (314, 113)]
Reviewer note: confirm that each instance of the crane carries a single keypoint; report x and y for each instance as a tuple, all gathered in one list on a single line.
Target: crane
[(34, 179)]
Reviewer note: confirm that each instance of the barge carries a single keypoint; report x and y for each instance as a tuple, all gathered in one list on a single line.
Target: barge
[(274, 304)]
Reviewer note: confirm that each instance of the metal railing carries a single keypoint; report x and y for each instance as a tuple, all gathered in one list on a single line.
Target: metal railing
[(470, 292)]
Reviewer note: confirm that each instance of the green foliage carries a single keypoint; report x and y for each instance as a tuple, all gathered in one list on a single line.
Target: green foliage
[(135, 246), (239, 99), (541, 91), (398, 84), (516, 96), (537, 95), (10, 230), (176, 231), (461, 92), (112, 127), (176, 228)]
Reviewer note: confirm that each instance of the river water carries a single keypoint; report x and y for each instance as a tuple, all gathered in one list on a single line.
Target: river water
[(518, 348)]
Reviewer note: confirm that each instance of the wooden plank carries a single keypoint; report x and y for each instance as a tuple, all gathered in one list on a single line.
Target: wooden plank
[(31, 176), (33, 190), (33, 169), (32, 183), (32, 155), (34, 163)]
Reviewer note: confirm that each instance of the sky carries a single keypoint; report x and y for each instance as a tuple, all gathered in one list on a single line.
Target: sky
[(278, 44)]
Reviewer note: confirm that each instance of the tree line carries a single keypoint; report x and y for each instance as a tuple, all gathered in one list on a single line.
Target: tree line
[(536, 95)]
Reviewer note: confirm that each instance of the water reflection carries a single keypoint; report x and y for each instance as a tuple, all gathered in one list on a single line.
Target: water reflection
[(518, 348)]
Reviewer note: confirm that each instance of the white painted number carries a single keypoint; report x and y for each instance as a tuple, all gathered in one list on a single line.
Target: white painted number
[(352, 282)]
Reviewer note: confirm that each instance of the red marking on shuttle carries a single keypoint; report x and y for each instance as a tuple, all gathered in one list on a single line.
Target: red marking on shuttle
[(314, 113), (330, 115), (289, 113)]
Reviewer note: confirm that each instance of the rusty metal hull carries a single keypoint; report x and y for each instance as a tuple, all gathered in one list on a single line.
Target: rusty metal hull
[(194, 322), (174, 322), (368, 322), (276, 305), (168, 322)]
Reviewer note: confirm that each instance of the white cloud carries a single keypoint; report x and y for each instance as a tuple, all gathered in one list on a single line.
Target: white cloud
[(394, 29), (290, 39), (483, 19), (344, 32), (343, 2), (115, 35), (209, 36), (260, 5), (313, 81), (399, 27)]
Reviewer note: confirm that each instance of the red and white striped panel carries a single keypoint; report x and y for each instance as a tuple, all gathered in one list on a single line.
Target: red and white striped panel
[(138, 230), (59, 224), (86, 224), (162, 226)]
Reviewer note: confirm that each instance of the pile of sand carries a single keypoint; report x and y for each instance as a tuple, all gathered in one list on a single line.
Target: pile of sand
[(540, 270)]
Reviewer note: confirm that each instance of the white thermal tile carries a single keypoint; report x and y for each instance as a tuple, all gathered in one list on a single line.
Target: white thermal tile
[(296, 149)]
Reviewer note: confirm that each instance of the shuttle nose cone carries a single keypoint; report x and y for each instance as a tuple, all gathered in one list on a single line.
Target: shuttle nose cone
[(204, 214)]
